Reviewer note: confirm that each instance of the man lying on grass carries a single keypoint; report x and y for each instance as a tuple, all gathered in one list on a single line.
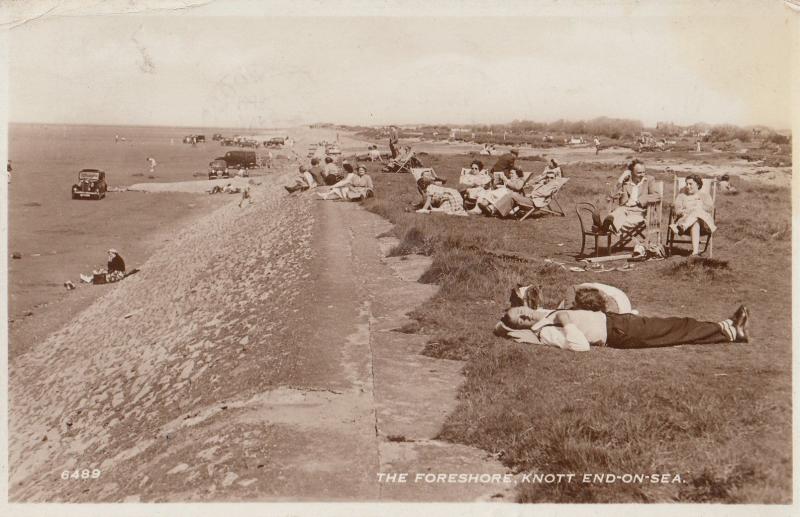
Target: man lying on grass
[(578, 329)]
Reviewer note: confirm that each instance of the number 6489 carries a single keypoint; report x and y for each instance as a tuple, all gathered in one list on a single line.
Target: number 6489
[(80, 474)]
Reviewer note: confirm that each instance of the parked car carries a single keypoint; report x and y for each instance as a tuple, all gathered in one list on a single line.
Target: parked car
[(333, 150), (276, 142), (227, 142), (237, 159), (216, 137), (200, 138), (218, 168), (91, 184)]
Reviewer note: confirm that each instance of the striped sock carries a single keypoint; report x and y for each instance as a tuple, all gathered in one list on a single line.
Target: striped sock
[(728, 328)]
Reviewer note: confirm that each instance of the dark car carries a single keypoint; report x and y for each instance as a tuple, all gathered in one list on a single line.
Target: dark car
[(227, 142), (239, 159), (200, 138), (217, 136), (91, 185), (218, 168), (275, 142)]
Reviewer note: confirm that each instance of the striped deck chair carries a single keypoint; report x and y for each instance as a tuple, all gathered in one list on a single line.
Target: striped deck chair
[(543, 198)]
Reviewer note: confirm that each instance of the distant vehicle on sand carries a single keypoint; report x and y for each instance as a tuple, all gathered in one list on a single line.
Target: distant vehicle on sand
[(216, 137), (237, 159), (218, 168), (91, 185)]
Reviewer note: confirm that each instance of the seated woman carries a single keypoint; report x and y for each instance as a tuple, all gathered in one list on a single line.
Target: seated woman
[(354, 187), (442, 199), (693, 212), (552, 170), (303, 181)]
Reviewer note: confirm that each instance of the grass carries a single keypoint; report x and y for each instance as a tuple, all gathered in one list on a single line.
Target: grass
[(717, 416)]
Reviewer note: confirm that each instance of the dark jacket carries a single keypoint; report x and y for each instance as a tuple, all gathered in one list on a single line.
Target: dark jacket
[(116, 264), (505, 163)]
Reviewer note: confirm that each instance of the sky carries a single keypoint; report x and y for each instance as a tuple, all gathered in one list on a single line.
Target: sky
[(207, 66)]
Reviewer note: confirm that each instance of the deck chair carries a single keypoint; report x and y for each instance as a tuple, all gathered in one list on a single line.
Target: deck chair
[(649, 230), (709, 187), (403, 163), (543, 198)]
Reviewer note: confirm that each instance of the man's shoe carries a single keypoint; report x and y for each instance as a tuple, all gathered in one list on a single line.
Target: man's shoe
[(740, 322)]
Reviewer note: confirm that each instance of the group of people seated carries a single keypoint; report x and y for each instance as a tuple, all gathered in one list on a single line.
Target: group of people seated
[(346, 184), (500, 191), (635, 189)]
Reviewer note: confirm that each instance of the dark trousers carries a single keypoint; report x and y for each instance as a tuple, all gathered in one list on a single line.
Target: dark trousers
[(632, 331), (393, 149)]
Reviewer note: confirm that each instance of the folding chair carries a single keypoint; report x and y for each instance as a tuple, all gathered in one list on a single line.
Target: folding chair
[(647, 229), (678, 185), (544, 198), (403, 164)]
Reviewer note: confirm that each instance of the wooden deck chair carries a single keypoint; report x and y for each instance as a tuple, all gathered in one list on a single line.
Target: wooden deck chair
[(543, 198), (403, 163), (649, 230), (709, 187)]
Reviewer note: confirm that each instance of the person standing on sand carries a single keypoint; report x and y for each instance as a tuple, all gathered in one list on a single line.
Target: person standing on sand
[(8, 170), (152, 162), (596, 146)]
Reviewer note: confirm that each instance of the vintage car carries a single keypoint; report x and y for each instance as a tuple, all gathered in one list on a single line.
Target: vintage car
[(275, 142), (218, 168), (200, 138), (216, 137), (239, 159), (227, 142), (91, 185), (333, 150)]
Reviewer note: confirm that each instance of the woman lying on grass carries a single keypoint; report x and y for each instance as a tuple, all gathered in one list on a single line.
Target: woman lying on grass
[(354, 187), (578, 329), (693, 209)]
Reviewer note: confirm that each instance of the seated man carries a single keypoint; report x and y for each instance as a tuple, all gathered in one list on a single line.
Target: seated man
[(578, 329), (303, 181), (331, 173), (634, 191), (506, 162)]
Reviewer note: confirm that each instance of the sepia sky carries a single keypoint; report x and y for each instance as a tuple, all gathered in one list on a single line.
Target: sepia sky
[(209, 66)]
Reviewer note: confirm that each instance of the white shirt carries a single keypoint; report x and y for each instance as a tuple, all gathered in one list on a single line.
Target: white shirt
[(588, 328)]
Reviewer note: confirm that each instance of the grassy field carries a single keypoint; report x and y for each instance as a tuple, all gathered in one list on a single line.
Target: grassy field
[(717, 416)]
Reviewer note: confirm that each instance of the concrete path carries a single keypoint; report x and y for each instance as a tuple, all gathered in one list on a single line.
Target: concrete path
[(254, 358)]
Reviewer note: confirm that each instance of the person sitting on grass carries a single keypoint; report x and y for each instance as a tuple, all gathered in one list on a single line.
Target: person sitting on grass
[(634, 191), (316, 171), (354, 187), (577, 330), (303, 181), (331, 173), (442, 199), (693, 210)]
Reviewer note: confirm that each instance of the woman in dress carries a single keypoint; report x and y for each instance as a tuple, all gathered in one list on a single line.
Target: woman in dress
[(693, 210), (354, 187)]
